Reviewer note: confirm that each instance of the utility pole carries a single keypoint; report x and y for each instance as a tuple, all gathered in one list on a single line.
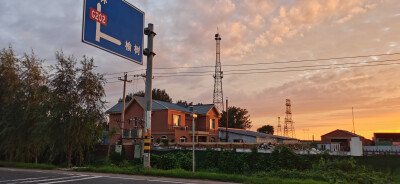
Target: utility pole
[(227, 120), (149, 31), (352, 113), (123, 104)]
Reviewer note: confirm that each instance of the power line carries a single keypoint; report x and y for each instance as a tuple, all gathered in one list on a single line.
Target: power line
[(282, 62), (263, 63), (276, 68), (280, 71)]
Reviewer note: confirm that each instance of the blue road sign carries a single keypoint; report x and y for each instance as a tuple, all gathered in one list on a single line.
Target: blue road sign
[(115, 26)]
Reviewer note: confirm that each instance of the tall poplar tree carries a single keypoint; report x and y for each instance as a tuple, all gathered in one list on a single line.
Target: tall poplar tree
[(65, 107), (91, 94), (10, 110), (33, 98)]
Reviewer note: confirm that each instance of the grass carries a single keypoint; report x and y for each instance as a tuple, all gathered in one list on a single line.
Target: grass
[(27, 165), (180, 173)]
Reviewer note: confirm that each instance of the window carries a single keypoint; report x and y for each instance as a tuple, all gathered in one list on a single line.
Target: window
[(152, 139), (212, 123), (134, 133), (163, 137), (182, 139), (176, 120), (212, 139), (135, 122), (126, 133)]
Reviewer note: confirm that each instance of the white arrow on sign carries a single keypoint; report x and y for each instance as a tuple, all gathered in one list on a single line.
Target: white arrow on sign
[(99, 34)]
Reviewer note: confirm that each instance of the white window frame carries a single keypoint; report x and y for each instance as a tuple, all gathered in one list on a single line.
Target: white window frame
[(212, 139), (183, 138), (164, 137)]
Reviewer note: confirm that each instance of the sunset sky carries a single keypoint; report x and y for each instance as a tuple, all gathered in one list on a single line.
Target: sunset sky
[(252, 31)]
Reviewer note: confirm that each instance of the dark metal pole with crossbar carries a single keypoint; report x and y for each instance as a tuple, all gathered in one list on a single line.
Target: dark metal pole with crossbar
[(149, 31)]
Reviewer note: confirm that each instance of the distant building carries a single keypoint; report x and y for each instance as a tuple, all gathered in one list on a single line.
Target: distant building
[(247, 136), (387, 139), (339, 140), (168, 121)]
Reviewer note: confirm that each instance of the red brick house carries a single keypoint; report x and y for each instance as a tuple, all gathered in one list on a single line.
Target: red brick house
[(168, 121), (343, 137)]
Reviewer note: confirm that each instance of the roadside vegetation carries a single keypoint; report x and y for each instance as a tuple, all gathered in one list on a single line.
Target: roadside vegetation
[(282, 166), (49, 115), (53, 117)]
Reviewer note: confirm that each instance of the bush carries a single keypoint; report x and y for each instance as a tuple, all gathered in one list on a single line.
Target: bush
[(117, 158), (168, 161), (185, 160)]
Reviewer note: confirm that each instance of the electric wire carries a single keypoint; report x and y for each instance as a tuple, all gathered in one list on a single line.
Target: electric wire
[(281, 71), (263, 63), (264, 69), (284, 62), (258, 69)]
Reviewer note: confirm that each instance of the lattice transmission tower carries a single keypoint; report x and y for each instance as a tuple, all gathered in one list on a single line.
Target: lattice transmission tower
[(288, 128), (218, 98), (279, 129)]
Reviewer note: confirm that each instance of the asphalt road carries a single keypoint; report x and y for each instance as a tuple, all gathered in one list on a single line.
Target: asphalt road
[(11, 175)]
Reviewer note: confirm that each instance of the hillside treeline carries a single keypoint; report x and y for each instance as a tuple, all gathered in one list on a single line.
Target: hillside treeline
[(51, 115)]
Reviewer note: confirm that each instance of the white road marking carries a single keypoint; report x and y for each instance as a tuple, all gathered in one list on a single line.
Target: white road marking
[(22, 179), (51, 179), (165, 181), (161, 181), (115, 177), (63, 181)]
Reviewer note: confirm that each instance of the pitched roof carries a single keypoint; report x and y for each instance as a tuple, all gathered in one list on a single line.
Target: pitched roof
[(203, 109), (160, 105), (254, 134), (343, 132), (116, 108)]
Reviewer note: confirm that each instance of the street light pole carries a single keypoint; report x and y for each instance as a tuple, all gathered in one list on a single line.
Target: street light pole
[(193, 115), (149, 31)]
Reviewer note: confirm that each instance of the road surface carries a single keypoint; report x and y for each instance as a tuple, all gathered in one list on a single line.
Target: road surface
[(28, 176)]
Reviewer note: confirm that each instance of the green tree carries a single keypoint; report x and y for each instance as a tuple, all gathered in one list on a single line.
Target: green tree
[(77, 107), (268, 129), (238, 118), (91, 94), (64, 127), (34, 100), (157, 94), (10, 85)]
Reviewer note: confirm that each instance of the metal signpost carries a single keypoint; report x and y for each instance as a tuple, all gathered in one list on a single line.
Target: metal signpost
[(117, 27), (114, 26)]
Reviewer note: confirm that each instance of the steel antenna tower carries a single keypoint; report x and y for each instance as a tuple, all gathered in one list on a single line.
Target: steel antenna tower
[(289, 126), (218, 98), (279, 129)]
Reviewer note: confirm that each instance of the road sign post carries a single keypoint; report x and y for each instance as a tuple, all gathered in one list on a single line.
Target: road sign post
[(117, 27), (114, 26)]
